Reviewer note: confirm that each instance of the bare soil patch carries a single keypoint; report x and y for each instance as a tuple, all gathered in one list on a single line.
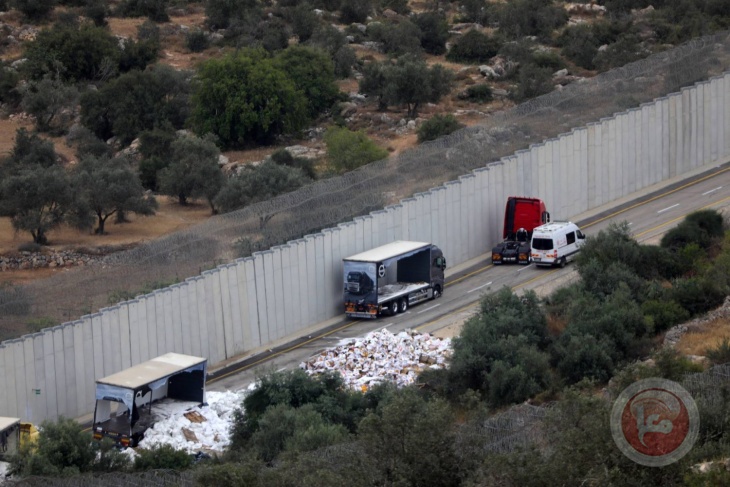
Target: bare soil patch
[(170, 217)]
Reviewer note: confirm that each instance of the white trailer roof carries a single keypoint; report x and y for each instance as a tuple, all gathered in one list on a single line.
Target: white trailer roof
[(387, 251), (152, 370), (7, 422)]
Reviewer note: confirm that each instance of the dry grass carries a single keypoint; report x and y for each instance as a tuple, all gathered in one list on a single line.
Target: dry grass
[(707, 336), (556, 326)]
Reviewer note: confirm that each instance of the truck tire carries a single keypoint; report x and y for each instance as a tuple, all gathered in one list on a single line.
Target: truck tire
[(436, 292), (393, 307), (403, 305), (562, 262)]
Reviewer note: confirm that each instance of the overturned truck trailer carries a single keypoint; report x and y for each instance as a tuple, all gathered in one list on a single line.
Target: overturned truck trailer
[(124, 401)]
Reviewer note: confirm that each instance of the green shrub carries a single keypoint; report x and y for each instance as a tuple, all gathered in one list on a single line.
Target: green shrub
[(521, 18), (474, 47), (355, 11), (481, 93), (155, 10), (97, 11), (548, 59), (196, 40), (697, 294), (478, 11), (284, 157), (303, 21), (522, 374), (344, 58), (719, 354), (62, 449), (8, 86), (34, 10), (437, 126), (434, 32), (397, 38), (579, 44), (347, 150), (664, 314), (660, 263), (398, 6), (625, 50), (533, 81), (37, 324), (161, 456), (583, 356)]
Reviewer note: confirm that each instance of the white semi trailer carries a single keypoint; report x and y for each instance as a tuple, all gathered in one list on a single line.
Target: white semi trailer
[(391, 278)]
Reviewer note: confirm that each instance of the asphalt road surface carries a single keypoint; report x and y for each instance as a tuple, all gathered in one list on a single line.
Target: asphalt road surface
[(649, 217)]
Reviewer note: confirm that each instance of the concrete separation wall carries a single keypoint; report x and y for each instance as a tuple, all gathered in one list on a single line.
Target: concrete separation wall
[(253, 302)]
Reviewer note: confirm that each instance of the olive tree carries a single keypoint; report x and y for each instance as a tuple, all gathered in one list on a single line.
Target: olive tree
[(193, 171), (105, 187)]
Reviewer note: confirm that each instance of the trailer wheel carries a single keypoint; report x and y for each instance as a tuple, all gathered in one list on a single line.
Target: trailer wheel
[(393, 307), (403, 305)]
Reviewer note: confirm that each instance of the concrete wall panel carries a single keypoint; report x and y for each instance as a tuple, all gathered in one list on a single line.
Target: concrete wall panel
[(79, 369), (218, 347), (287, 290), (10, 399), (113, 336), (224, 301), (124, 339), (243, 334), (215, 317), (176, 318), (253, 307), (4, 408), (328, 276), (29, 367), (311, 278), (135, 342), (278, 274), (50, 374), (180, 293), (39, 404), (260, 280), (202, 318), (318, 274), (69, 354), (191, 319)]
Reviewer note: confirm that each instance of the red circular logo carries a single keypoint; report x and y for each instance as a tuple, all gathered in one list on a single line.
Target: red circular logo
[(655, 422)]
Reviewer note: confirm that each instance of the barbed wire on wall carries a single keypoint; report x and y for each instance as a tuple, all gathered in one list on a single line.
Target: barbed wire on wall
[(327, 202)]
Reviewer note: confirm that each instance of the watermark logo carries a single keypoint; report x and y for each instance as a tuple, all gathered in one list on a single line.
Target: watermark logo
[(655, 422)]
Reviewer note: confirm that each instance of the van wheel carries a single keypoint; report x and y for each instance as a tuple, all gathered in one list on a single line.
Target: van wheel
[(393, 307), (403, 305), (562, 262)]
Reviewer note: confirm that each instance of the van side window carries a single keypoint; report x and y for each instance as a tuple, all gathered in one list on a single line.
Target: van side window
[(571, 238), (580, 234)]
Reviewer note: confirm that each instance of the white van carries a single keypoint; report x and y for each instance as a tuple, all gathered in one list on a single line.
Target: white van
[(556, 243)]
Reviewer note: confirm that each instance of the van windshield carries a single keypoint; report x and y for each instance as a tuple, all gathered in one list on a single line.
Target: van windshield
[(542, 243)]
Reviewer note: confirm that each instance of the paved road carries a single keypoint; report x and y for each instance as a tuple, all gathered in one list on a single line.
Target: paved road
[(649, 217)]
